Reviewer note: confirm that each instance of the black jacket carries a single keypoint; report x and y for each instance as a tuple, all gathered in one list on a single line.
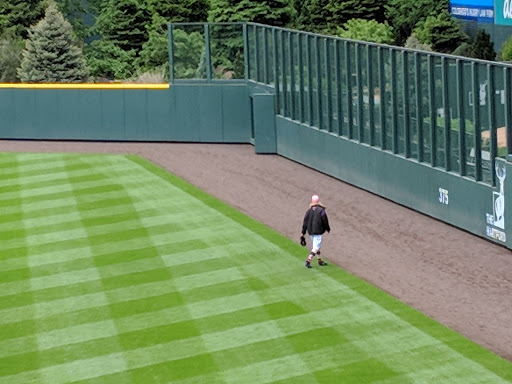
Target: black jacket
[(315, 221)]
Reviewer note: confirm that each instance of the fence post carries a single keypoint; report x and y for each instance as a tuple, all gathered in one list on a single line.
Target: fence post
[(382, 86), (405, 83), (301, 77), (508, 117), (359, 74), (476, 118), (208, 55), (394, 111), (447, 115), (432, 107), (369, 74), (339, 95), (349, 90), (492, 120), (462, 119), (419, 105)]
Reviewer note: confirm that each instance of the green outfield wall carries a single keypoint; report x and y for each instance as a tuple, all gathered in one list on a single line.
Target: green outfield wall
[(428, 131), (205, 113)]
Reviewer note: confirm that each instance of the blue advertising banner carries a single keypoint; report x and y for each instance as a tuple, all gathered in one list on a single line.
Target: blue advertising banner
[(503, 12), (481, 11)]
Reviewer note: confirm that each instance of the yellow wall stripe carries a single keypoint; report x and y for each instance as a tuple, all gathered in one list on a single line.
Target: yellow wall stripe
[(84, 86)]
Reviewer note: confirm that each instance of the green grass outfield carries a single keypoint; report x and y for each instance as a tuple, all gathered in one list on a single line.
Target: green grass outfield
[(114, 271)]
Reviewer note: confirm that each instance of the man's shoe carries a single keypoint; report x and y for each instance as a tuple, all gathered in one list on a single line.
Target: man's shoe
[(322, 263), (307, 264)]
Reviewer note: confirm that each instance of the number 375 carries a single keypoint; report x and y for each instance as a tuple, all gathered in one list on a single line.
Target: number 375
[(443, 196)]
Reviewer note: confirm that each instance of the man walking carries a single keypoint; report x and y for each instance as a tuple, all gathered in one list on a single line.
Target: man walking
[(316, 224)]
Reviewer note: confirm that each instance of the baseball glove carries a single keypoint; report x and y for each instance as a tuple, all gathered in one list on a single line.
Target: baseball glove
[(303, 241)]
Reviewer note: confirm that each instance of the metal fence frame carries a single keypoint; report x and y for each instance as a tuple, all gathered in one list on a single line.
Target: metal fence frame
[(441, 110)]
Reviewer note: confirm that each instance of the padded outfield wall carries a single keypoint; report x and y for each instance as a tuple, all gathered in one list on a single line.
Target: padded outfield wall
[(428, 131), (126, 112)]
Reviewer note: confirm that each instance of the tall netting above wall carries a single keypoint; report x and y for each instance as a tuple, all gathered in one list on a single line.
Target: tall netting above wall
[(206, 51), (448, 112)]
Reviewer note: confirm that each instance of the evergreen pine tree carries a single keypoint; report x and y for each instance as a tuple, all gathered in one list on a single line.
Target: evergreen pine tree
[(11, 47), (278, 13), (482, 47), (177, 11), (328, 15), (51, 53), (20, 15), (123, 22), (155, 52), (442, 32), (404, 15)]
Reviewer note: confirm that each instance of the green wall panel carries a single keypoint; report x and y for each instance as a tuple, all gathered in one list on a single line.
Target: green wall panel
[(7, 113), (70, 120), (211, 113), (24, 112), (235, 109), (90, 114), (159, 115), (188, 117), (136, 115), (264, 123), (46, 107), (112, 114)]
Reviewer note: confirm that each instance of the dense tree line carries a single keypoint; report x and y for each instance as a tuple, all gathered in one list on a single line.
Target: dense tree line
[(77, 40)]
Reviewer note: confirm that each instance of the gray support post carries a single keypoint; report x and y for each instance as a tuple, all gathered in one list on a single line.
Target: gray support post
[(462, 120), (276, 71), (208, 55), (405, 90), (265, 56), (476, 119), (492, 120), (170, 28), (301, 77), (318, 83), (432, 111), (382, 86), (369, 74), (339, 95), (447, 115), (419, 106), (394, 109), (360, 115), (293, 113), (310, 81), (348, 66), (328, 84), (257, 54), (508, 112), (285, 80)]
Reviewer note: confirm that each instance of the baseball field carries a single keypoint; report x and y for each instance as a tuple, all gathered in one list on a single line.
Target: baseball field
[(113, 270)]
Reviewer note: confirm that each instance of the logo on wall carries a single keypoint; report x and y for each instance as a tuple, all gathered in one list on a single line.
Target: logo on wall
[(507, 9), (503, 12), (496, 220)]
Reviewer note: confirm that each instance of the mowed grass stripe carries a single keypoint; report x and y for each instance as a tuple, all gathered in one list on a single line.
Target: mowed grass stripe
[(130, 300), (86, 185), (145, 339), (27, 328), (60, 170)]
